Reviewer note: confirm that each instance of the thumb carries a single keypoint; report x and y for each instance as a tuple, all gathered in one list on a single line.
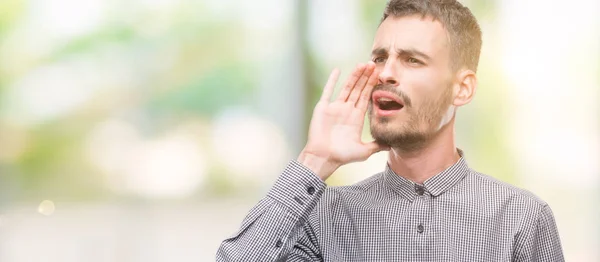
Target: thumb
[(375, 147)]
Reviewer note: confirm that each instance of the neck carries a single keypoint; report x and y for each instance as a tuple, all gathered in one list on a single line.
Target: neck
[(427, 161)]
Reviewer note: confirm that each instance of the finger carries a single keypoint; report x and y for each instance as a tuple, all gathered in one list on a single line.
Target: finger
[(330, 85), (351, 82), (365, 96), (360, 84)]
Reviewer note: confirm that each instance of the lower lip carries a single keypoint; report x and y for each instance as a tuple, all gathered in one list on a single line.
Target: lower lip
[(381, 112)]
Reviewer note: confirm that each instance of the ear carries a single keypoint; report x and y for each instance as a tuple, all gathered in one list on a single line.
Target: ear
[(465, 87)]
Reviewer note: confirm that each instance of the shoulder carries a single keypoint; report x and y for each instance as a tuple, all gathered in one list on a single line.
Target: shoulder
[(364, 190), (492, 189)]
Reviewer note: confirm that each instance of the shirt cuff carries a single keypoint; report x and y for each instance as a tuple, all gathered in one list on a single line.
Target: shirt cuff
[(298, 189)]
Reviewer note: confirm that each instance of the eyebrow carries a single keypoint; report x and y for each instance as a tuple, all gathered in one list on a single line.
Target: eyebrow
[(402, 52)]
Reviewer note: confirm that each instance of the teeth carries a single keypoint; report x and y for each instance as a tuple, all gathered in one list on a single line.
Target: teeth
[(383, 99)]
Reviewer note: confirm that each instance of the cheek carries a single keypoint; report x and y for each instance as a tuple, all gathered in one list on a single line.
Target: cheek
[(422, 97), (425, 87), (420, 83)]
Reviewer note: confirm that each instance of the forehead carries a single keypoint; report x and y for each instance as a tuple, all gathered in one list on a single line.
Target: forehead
[(412, 32)]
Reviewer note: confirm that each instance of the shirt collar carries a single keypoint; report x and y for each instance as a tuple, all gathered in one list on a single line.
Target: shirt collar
[(435, 185)]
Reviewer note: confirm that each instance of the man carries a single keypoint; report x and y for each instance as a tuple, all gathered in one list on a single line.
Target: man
[(427, 205)]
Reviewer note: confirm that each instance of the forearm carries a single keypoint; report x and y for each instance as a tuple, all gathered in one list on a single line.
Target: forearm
[(272, 227)]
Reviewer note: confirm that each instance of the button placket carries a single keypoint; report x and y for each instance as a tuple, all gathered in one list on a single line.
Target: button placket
[(422, 209)]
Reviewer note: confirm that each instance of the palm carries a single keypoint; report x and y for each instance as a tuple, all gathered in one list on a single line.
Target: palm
[(336, 127)]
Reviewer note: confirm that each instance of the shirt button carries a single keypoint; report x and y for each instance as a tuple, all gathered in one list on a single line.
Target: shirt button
[(278, 244), (310, 190), (420, 228), (420, 190)]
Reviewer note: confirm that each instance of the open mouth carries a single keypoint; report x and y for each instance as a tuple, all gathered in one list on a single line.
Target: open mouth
[(386, 103)]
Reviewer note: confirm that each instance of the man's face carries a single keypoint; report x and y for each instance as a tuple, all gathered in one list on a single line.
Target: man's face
[(413, 100)]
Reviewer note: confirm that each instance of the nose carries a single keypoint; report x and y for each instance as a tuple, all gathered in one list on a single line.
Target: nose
[(389, 74)]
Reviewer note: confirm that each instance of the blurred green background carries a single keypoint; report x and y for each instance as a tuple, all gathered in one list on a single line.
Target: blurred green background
[(145, 130)]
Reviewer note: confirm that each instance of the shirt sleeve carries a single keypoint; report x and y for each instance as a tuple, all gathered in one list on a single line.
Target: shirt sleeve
[(276, 228), (541, 242)]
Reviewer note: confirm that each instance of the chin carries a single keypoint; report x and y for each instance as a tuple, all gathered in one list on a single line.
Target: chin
[(400, 136), (387, 129)]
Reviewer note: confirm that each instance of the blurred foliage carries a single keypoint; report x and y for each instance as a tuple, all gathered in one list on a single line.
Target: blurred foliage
[(203, 77), (217, 89), (372, 11), (94, 41), (52, 164), (10, 11)]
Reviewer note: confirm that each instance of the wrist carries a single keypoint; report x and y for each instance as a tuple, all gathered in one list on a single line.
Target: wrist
[(321, 166)]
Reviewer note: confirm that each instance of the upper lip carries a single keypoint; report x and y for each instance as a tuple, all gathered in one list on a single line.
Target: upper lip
[(386, 94)]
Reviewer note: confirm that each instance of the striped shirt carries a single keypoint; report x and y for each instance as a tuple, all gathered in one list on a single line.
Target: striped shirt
[(457, 215)]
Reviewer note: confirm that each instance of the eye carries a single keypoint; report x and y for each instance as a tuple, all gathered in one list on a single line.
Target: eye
[(413, 60), (378, 60)]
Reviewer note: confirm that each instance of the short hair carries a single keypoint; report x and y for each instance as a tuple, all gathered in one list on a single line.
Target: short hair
[(462, 27)]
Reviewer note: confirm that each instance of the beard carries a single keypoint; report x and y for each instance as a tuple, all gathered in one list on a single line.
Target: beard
[(424, 121)]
